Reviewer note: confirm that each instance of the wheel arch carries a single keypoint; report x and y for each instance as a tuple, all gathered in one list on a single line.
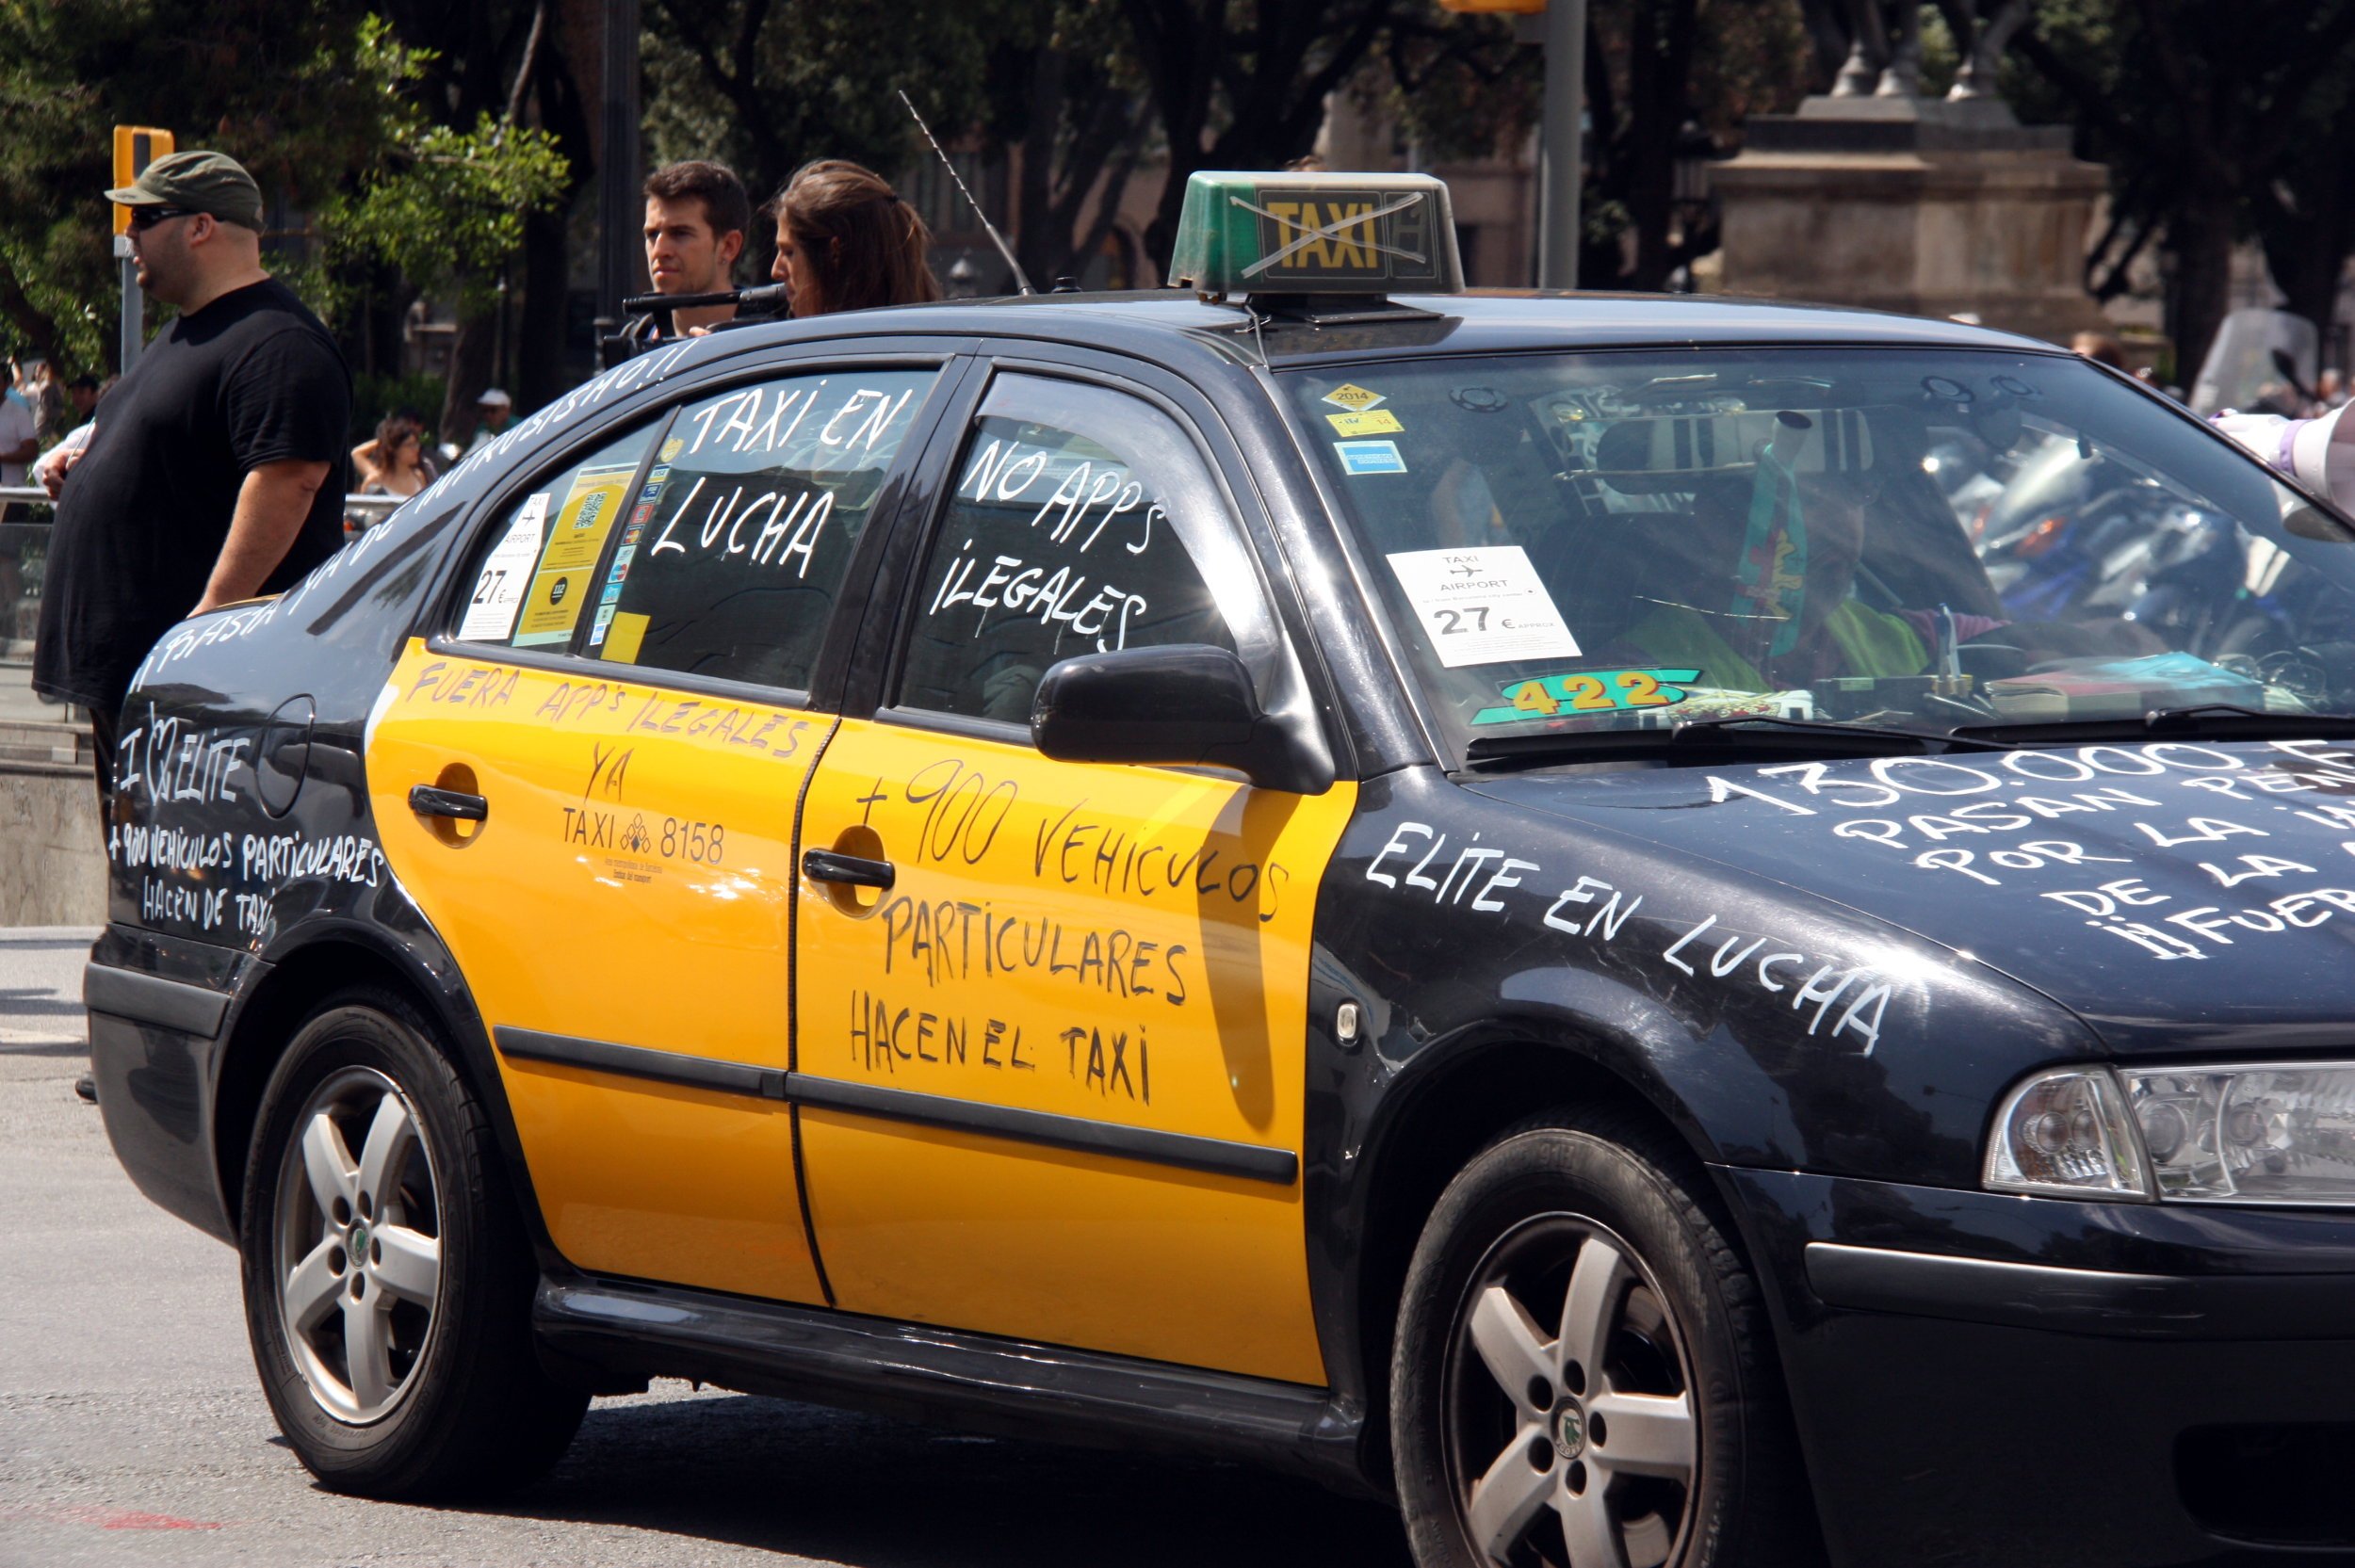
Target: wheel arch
[(305, 967), (1548, 1043)]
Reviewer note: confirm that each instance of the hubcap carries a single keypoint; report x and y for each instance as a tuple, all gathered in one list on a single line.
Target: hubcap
[(359, 1245), (1569, 1433), (1570, 1437)]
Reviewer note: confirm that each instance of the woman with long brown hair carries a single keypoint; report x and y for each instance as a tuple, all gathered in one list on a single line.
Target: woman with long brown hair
[(846, 241)]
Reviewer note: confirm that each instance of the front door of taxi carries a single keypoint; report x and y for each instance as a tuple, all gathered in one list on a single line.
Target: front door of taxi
[(1051, 1078), (621, 912)]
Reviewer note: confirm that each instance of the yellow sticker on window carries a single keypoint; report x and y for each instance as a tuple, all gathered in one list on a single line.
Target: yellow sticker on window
[(621, 639), (1371, 422), (575, 540), (1354, 398)]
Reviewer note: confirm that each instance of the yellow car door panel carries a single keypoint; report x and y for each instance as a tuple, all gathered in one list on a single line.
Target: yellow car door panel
[(1052, 1074), (623, 910)]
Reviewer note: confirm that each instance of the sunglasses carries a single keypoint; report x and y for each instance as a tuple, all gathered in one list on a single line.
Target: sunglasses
[(144, 218)]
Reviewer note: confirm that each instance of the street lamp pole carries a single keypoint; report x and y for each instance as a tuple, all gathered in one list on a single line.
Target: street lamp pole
[(618, 171), (1559, 160)]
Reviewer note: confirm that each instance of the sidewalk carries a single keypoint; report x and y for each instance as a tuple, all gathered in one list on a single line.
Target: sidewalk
[(41, 995)]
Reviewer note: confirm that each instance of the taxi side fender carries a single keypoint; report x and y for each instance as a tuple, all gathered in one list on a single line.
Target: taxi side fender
[(395, 948), (1547, 1036)]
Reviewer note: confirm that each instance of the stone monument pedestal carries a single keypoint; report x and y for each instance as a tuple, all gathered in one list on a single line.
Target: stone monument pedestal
[(1929, 207)]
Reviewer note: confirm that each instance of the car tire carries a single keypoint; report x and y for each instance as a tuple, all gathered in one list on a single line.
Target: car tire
[(388, 1279), (1582, 1372)]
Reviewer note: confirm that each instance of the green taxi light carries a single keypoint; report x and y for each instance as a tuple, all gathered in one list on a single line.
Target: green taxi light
[(1317, 234)]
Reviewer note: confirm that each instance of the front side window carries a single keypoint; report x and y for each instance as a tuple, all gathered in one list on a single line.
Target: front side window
[(1083, 520), (739, 542), (1926, 539)]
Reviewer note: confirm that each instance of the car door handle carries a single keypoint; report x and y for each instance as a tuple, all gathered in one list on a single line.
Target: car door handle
[(428, 800), (824, 865)]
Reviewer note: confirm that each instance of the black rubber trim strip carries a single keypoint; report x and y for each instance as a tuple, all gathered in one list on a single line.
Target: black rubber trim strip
[(147, 999), (1216, 1156), (637, 1061), (2083, 1300), (1251, 1161)]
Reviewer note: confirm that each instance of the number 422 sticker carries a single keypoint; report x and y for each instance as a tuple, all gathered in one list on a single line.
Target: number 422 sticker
[(1588, 691)]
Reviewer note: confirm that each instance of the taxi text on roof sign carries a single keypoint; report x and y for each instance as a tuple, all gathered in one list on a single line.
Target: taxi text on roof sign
[(1317, 234)]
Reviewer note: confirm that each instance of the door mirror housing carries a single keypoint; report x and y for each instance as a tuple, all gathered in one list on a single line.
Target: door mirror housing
[(1182, 706)]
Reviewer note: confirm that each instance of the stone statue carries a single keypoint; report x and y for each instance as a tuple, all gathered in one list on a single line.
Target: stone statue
[(1885, 46), (1884, 51), (1983, 39)]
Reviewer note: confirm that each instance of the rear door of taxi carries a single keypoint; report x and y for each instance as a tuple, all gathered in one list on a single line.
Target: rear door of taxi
[(587, 776), (1050, 1077)]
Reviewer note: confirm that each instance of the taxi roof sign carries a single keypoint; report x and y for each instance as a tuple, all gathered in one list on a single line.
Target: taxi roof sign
[(1317, 234)]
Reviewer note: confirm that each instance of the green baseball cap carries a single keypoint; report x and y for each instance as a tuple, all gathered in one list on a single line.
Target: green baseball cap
[(197, 180)]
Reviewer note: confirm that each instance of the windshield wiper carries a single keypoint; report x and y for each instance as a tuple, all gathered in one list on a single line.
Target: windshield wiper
[(2212, 721), (1727, 732)]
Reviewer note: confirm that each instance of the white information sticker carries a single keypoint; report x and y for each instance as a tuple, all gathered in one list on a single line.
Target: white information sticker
[(1482, 606), (498, 588)]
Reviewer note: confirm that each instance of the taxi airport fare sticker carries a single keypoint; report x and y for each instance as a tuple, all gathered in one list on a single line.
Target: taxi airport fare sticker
[(1482, 606), (1355, 398)]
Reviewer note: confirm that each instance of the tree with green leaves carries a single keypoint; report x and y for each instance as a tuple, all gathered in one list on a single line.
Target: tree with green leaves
[(320, 102), (2207, 114)]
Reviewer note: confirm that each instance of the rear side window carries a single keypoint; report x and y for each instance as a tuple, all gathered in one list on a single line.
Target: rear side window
[(538, 566), (737, 548), (1084, 521)]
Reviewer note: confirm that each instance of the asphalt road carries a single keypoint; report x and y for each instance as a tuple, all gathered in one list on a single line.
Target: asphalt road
[(132, 1429)]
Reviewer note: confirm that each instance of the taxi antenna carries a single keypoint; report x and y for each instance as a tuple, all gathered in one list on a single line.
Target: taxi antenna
[(996, 238)]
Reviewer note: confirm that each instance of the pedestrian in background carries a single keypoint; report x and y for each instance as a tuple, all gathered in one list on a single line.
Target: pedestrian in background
[(492, 411), (846, 241), (18, 444), (372, 459), (214, 472), (697, 215), (400, 466), (47, 398), (82, 393), (2099, 348), (19, 440)]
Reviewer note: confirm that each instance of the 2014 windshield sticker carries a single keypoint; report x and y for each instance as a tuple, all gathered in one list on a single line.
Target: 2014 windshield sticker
[(1355, 398), (1589, 692), (1482, 606)]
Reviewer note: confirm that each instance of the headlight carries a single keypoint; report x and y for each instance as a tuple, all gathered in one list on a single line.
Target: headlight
[(2280, 1133), (2065, 1133), (2276, 1132)]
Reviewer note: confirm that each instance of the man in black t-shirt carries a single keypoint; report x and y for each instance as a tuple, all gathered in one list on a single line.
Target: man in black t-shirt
[(216, 472)]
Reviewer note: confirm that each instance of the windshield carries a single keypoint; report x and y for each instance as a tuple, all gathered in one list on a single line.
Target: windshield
[(1933, 540)]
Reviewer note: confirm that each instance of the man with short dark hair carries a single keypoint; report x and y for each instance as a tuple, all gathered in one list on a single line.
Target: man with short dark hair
[(697, 217), (216, 469)]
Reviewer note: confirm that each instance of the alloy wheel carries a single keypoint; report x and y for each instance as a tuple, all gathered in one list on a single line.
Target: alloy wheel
[(1570, 1435), (359, 1248)]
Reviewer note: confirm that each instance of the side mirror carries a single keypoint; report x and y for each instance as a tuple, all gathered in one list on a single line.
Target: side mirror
[(1184, 705)]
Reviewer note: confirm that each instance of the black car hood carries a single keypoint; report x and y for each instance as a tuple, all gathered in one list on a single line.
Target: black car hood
[(2176, 896)]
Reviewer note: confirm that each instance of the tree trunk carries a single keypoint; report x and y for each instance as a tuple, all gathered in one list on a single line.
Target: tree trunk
[(2199, 236), (540, 373), (470, 356)]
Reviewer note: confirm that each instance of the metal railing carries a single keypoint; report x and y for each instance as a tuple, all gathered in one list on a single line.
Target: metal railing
[(25, 522), (373, 508)]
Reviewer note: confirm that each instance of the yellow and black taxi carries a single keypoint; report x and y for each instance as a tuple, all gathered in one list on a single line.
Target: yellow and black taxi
[(1677, 930)]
